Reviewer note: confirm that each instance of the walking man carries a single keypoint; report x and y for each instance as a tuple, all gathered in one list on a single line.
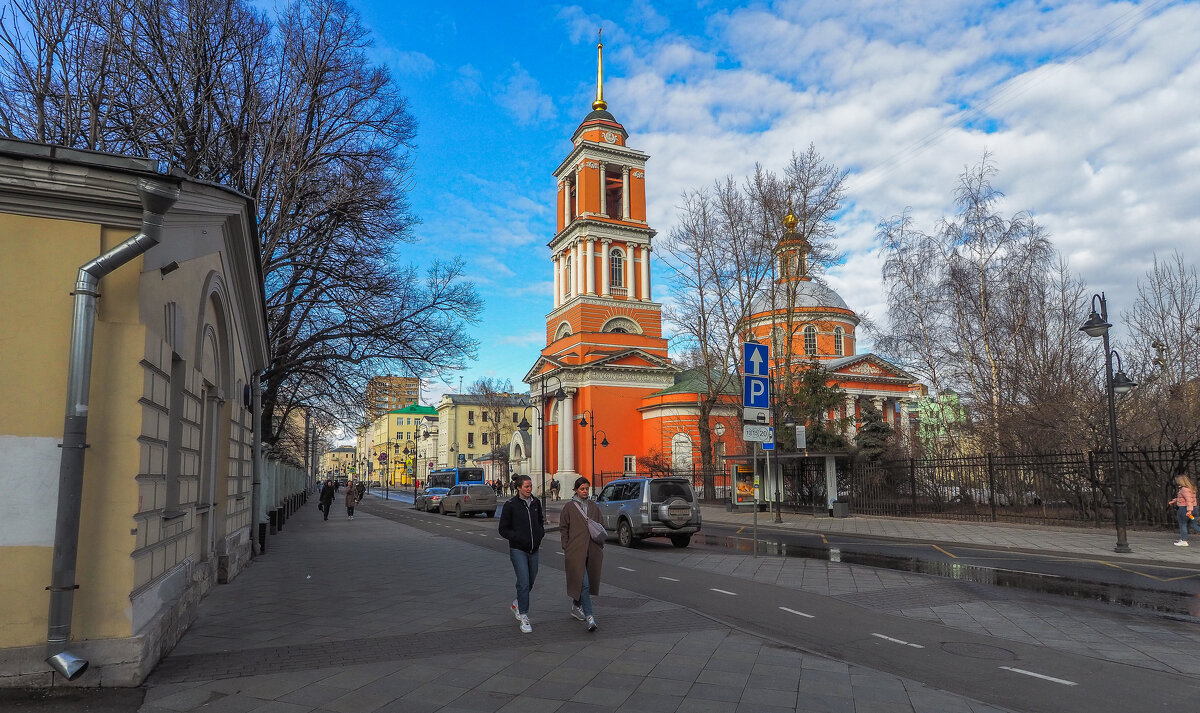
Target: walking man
[(523, 524), (327, 497)]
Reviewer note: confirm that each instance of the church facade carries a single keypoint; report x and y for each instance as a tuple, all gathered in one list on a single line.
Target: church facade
[(604, 390)]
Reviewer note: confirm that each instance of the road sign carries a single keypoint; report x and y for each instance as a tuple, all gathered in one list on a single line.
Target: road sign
[(754, 359), (756, 392), (768, 445), (801, 438), (754, 433), (383, 457), (756, 415)]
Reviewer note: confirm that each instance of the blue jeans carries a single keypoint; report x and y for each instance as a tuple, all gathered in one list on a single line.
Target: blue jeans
[(1184, 523), (585, 597), (525, 564)]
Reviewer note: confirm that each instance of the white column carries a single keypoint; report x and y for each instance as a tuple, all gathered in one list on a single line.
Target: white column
[(577, 260), (603, 192), (566, 201), (578, 171), (629, 271), (902, 426), (852, 428), (566, 435), (605, 247), (879, 401), (557, 287), (591, 265), (646, 273), (624, 193)]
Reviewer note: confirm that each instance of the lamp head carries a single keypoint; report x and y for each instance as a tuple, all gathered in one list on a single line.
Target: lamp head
[(604, 442), (1122, 384), (583, 421), (1095, 326)]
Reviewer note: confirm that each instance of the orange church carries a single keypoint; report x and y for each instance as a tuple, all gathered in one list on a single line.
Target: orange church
[(604, 387)]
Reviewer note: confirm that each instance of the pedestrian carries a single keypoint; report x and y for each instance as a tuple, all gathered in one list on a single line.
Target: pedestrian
[(359, 489), (523, 524), (583, 550), (554, 488), (327, 498), (351, 498), (1186, 510)]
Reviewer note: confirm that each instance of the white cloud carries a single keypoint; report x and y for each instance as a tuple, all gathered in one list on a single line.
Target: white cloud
[(523, 98)]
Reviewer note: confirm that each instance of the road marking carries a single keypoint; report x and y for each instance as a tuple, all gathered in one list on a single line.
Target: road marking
[(627, 569), (897, 641), (722, 591), (948, 554), (499, 538), (739, 530), (1038, 675), (669, 579), (798, 613), (561, 552)]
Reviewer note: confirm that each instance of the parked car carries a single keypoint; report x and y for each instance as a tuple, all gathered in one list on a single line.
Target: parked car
[(428, 498), (636, 508), (463, 500)]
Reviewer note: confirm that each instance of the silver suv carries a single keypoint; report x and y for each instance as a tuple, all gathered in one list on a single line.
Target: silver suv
[(635, 508), (463, 500)]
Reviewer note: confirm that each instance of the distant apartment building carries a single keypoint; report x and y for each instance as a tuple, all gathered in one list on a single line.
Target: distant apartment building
[(337, 462), (472, 426), (388, 393)]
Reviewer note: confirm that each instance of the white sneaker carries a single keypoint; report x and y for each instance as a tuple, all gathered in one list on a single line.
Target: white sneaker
[(513, 608), (591, 622), (1181, 543), (577, 612), (525, 627)]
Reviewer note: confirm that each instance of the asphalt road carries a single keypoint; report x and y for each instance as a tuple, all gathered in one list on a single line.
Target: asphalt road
[(998, 671)]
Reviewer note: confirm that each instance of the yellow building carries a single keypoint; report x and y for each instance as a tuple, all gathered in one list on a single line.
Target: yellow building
[(133, 302), (337, 463), (394, 435), (472, 426)]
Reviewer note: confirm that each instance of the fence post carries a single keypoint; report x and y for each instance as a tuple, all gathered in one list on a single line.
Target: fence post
[(912, 480), (991, 485), (1095, 482)]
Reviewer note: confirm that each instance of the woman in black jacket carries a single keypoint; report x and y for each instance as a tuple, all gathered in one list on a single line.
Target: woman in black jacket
[(523, 524)]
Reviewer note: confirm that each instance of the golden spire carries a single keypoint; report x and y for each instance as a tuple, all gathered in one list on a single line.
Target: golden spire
[(790, 221), (599, 104)]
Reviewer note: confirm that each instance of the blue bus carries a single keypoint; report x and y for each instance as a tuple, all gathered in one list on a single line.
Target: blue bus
[(450, 477)]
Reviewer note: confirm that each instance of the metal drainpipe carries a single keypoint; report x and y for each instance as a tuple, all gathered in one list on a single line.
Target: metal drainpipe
[(156, 199), (256, 465)]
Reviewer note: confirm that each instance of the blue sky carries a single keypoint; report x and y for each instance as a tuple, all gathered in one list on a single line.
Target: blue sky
[(1091, 110)]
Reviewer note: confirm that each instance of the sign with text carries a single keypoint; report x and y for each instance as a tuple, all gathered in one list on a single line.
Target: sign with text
[(755, 433), (745, 485), (756, 384)]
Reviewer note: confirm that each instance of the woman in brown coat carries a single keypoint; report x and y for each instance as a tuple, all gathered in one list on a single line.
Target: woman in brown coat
[(584, 557), (351, 499)]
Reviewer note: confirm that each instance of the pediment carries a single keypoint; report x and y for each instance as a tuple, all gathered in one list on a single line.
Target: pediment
[(867, 366)]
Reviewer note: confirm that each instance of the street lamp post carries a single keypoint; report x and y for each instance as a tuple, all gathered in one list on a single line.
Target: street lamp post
[(524, 425), (788, 422), (583, 423), (559, 395), (1097, 325)]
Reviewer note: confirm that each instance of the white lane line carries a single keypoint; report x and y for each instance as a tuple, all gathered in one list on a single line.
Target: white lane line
[(797, 613), (499, 538), (898, 641), (627, 569), (561, 552), (669, 579), (1041, 676), (722, 591)]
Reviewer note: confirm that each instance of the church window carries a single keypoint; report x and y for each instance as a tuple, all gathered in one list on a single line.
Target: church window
[(839, 342), (564, 330), (613, 191), (621, 325), (630, 465), (810, 340), (681, 452), (616, 268)]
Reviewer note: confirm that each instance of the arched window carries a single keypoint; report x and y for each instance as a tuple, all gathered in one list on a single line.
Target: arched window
[(623, 325), (810, 341), (564, 330), (568, 277), (681, 452), (616, 267), (839, 345)]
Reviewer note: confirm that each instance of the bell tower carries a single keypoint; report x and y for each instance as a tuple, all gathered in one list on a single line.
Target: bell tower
[(604, 344)]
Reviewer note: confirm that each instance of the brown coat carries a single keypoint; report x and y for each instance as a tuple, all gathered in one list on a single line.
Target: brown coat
[(579, 549), (351, 496)]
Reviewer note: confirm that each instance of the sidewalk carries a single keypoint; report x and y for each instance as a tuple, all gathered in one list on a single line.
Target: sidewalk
[(375, 615), (1094, 543)]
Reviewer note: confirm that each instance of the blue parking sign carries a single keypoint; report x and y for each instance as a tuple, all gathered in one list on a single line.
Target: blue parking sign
[(756, 392)]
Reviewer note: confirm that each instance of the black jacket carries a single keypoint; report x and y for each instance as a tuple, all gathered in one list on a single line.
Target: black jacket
[(523, 525), (327, 494)]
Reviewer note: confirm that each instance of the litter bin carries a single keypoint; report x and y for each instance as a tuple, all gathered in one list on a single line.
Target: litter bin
[(841, 508)]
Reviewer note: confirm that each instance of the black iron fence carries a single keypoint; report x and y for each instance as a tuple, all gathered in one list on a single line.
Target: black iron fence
[(1065, 488)]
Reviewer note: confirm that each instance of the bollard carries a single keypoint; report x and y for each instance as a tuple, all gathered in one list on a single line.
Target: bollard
[(262, 537), (271, 521), (279, 518)]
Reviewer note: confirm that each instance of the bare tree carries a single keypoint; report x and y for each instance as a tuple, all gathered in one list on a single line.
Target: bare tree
[(293, 115), (496, 397), (968, 302)]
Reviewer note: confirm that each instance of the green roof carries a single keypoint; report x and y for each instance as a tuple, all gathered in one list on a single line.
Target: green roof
[(416, 410), (691, 381)]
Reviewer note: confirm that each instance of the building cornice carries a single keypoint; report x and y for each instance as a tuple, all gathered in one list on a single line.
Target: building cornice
[(592, 149), (596, 229)]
